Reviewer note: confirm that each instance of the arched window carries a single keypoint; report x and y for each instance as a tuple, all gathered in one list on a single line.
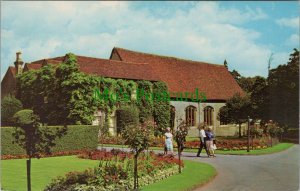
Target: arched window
[(190, 115), (208, 115), (172, 116)]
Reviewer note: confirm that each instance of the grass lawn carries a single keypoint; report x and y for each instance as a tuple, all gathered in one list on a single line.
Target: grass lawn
[(277, 148), (13, 172), (45, 169), (193, 175)]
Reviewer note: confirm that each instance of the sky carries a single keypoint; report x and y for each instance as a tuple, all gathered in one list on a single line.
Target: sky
[(243, 33)]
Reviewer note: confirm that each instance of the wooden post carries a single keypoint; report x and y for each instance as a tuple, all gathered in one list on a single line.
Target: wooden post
[(135, 172), (179, 157), (248, 145), (28, 174)]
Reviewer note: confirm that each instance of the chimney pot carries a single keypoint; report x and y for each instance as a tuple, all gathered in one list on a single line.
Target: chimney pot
[(18, 56)]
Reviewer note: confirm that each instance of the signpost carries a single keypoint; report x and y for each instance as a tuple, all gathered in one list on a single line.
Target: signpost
[(248, 145)]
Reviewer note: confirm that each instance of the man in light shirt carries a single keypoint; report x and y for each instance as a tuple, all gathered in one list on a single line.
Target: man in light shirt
[(202, 136)]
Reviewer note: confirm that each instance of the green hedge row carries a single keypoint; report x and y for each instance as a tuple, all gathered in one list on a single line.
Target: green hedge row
[(78, 137)]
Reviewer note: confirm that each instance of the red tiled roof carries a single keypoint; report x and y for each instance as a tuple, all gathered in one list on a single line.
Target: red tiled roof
[(105, 68), (186, 75), (179, 74), (33, 66), (12, 69), (116, 69)]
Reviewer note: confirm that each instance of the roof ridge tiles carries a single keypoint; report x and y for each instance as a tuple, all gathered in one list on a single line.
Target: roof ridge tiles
[(169, 57)]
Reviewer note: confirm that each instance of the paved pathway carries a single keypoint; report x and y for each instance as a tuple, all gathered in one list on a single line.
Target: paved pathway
[(279, 171)]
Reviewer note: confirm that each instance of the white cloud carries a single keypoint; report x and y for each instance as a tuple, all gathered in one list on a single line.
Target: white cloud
[(205, 32), (293, 40), (289, 22)]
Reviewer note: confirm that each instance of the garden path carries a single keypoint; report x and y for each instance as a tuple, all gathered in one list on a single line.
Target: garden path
[(278, 171)]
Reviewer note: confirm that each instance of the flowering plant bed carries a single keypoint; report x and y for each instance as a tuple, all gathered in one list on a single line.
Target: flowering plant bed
[(117, 140), (232, 144), (115, 171), (54, 154), (222, 144)]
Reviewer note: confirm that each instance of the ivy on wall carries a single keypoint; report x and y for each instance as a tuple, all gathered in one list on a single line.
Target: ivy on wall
[(62, 94), (144, 101), (161, 107)]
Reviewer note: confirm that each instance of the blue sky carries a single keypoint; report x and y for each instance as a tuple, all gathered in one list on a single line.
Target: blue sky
[(243, 33)]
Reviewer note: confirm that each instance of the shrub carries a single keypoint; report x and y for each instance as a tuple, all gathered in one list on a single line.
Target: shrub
[(78, 137), (161, 107), (111, 175), (127, 115), (9, 106)]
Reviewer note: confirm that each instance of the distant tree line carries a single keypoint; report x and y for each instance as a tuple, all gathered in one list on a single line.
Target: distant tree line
[(275, 97)]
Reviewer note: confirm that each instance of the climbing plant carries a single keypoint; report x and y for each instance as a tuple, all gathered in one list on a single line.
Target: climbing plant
[(161, 107), (62, 94), (144, 100)]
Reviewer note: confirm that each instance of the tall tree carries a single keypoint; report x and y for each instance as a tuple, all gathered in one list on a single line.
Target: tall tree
[(137, 137), (34, 139), (259, 98), (284, 92), (236, 110)]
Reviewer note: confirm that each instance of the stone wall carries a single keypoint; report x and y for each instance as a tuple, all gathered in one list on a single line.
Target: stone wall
[(180, 106), (231, 130)]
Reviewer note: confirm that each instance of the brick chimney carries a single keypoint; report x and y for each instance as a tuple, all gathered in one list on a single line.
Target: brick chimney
[(18, 63)]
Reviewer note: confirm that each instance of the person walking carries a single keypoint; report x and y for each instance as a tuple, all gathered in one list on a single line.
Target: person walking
[(202, 136), (209, 142), (169, 141)]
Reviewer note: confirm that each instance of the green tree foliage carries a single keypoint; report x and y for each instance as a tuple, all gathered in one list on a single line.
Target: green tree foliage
[(236, 110), (137, 137), (59, 95), (26, 88), (126, 115), (180, 137), (144, 100), (235, 75), (44, 89), (161, 107), (284, 92), (74, 102), (259, 98), (32, 138), (9, 106)]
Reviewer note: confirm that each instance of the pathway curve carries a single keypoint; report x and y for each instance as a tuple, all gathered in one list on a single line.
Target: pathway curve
[(278, 171)]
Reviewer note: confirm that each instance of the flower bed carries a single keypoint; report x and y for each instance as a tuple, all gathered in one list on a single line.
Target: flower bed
[(117, 140), (115, 172), (222, 144), (228, 144), (55, 154)]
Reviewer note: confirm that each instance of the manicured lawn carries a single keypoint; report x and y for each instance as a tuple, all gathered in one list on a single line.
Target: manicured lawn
[(13, 172), (277, 148), (193, 175), (45, 169)]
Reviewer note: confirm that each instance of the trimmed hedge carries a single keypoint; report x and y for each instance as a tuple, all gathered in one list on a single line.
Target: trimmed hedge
[(7, 146), (78, 137)]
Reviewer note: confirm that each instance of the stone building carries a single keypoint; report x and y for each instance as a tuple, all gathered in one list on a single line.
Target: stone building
[(186, 79)]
